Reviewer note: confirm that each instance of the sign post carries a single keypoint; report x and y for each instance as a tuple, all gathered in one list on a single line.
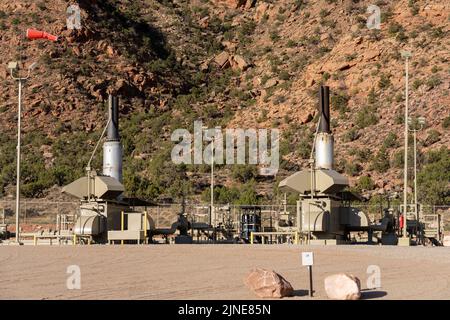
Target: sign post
[(308, 260)]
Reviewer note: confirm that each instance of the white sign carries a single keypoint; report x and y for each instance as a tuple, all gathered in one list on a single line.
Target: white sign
[(307, 258)]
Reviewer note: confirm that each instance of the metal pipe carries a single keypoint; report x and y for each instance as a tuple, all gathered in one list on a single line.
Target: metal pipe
[(112, 148), (324, 109), (113, 115), (323, 140)]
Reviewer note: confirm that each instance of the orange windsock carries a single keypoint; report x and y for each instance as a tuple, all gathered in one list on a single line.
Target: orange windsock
[(34, 34)]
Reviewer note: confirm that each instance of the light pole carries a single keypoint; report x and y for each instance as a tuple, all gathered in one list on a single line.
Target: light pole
[(211, 211), (14, 66), (414, 122), (405, 240), (212, 180)]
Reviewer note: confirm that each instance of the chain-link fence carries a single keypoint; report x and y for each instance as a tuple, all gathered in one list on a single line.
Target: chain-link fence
[(34, 212)]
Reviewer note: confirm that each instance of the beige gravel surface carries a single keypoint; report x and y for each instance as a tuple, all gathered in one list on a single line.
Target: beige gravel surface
[(214, 271)]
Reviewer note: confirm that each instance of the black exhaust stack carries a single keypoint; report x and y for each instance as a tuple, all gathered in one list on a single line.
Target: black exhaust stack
[(113, 113), (324, 109)]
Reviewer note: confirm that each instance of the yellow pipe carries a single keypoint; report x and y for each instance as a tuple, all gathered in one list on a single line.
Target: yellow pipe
[(251, 237), (35, 240), (121, 224), (74, 241), (296, 237)]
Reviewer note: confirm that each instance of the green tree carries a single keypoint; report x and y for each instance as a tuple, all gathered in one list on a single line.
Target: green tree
[(433, 179)]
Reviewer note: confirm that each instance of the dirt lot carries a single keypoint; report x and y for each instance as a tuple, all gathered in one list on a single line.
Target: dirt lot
[(213, 271)]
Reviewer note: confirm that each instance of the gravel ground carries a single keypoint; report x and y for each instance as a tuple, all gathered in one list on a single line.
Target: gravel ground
[(214, 271)]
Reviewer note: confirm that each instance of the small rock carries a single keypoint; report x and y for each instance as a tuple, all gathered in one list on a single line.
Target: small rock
[(204, 22), (268, 284), (248, 4), (110, 51), (305, 118), (239, 62), (343, 286), (261, 10), (446, 241), (204, 66), (369, 55), (222, 59), (270, 83), (324, 37)]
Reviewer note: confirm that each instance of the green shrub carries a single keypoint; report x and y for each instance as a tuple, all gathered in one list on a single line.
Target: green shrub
[(391, 141), (395, 28), (433, 82), (366, 117), (244, 172), (352, 168), (351, 135), (362, 155), (365, 183), (385, 81), (291, 43), (274, 36), (372, 96), (417, 83), (323, 13), (380, 162), (433, 178), (339, 101), (397, 161), (284, 75), (446, 123), (433, 137)]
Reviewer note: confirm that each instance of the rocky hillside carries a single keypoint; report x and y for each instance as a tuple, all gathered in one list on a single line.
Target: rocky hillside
[(230, 63)]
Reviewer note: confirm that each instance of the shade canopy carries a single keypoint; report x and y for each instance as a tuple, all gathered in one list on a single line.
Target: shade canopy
[(102, 187), (326, 182)]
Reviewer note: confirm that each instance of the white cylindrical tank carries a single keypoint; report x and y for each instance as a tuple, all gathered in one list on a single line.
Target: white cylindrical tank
[(112, 159), (324, 150)]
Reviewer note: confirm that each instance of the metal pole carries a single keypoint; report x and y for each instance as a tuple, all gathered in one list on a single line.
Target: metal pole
[(416, 211), (212, 183), (19, 113), (405, 173), (310, 281)]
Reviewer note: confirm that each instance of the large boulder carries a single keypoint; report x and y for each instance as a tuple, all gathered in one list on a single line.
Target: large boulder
[(268, 284), (343, 286)]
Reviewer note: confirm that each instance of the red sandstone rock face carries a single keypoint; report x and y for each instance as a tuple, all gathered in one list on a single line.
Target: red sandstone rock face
[(268, 284), (234, 4)]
